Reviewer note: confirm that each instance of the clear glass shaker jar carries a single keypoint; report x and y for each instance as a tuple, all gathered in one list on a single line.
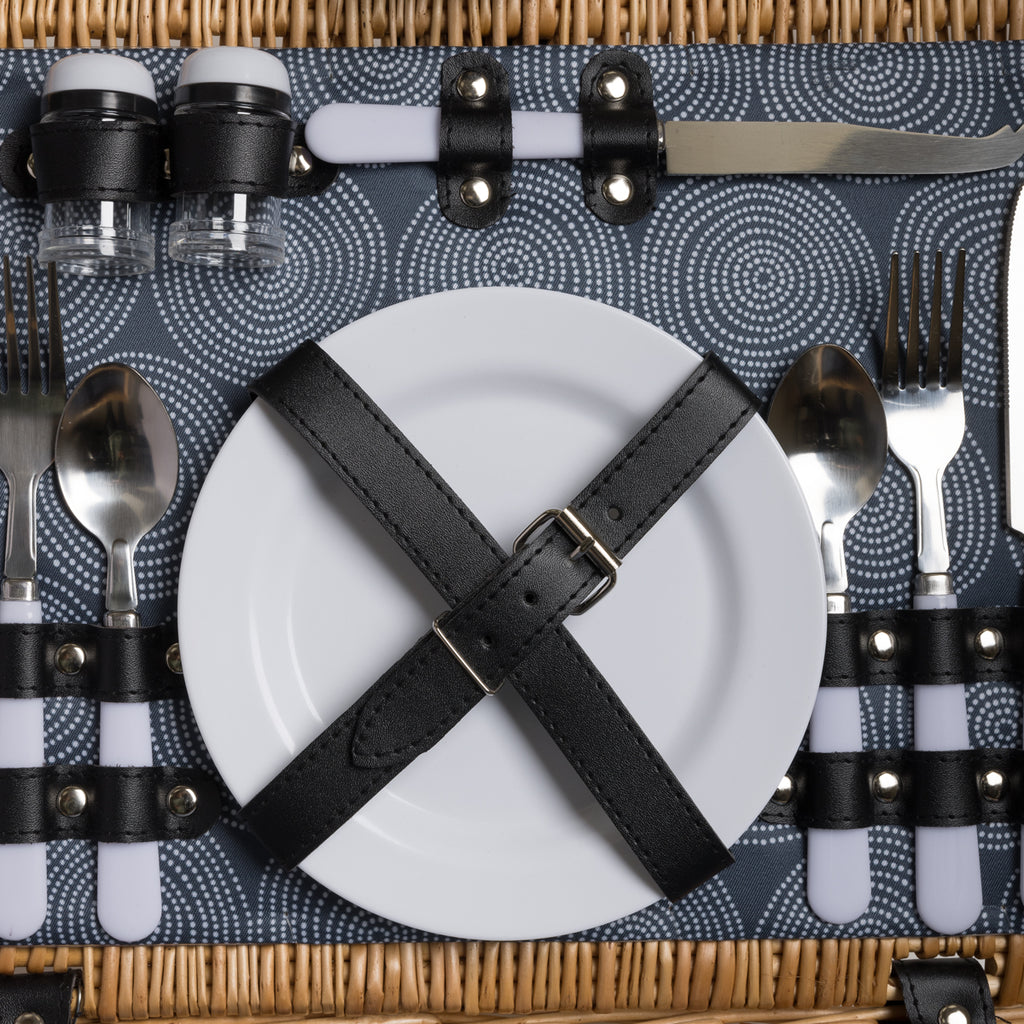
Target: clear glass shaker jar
[(98, 236), (220, 228)]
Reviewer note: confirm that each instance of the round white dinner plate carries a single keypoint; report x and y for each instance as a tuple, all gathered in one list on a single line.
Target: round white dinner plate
[(292, 601)]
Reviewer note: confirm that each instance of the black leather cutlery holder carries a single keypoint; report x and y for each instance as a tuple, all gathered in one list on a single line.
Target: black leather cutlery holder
[(107, 804), (952, 788)]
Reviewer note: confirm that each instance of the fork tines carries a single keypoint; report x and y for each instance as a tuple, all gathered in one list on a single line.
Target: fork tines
[(897, 372), (55, 355)]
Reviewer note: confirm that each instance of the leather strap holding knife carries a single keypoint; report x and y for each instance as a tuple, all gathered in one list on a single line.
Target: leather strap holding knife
[(505, 627)]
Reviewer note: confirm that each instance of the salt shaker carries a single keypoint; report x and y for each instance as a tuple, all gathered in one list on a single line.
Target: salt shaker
[(231, 141), (84, 94)]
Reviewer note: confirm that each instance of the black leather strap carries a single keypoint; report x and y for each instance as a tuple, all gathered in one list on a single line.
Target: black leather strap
[(230, 151), (112, 160), (54, 997), (122, 805), (936, 788), (475, 141), (118, 665), (415, 703), (934, 987), (930, 647), (620, 136)]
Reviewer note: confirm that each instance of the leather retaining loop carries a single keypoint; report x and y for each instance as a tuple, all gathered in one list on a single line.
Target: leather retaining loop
[(55, 997), (122, 804), (475, 141), (118, 665), (931, 986), (620, 137)]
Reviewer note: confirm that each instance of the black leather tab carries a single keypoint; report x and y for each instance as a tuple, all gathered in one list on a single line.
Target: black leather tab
[(932, 647), (120, 665), (230, 151), (620, 136), (113, 160), (123, 805), (475, 141), (934, 985), (54, 997), (14, 164), (937, 788), (426, 692)]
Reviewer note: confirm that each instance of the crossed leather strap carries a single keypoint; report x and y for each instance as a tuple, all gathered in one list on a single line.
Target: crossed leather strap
[(504, 618)]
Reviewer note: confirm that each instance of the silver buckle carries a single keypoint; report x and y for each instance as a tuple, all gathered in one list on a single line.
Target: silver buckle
[(454, 652), (586, 544)]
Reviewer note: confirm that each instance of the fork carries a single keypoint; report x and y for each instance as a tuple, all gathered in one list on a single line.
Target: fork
[(28, 429), (925, 419)]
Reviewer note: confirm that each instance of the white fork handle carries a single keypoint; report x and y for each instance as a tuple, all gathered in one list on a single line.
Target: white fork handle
[(23, 865), (838, 864), (948, 863), (370, 133), (127, 874)]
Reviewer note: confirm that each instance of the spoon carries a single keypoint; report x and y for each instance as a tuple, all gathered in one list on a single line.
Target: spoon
[(829, 420), (117, 466)]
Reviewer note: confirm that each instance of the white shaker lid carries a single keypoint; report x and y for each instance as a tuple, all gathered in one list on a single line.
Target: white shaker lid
[(89, 72), (237, 65)]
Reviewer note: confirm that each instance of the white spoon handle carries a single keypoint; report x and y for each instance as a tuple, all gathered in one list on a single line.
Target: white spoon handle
[(23, 865)]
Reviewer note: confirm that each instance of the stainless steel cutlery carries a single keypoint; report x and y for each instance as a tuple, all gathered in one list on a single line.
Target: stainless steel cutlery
[(29, 416)]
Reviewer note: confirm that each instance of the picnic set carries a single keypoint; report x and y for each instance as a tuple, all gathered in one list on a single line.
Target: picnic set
[(512, 511)]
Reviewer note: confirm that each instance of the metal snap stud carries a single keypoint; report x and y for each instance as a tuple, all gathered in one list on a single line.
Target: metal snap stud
[(71, 801), (991, 784), (30, 165), (173, 658), (29, 1017), (617, 189), (784, 791), (954, 1014), (475, 192), (882, 645), (988, 643), (613, 85), (300, 162), (472, 85), (886, 786), (69, 659), (182, 801)]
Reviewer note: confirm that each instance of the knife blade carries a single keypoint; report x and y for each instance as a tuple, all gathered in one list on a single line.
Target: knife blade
[(1014, 414), (364, 133)]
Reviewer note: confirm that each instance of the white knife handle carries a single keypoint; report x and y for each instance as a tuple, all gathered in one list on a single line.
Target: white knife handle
[(948, 864), (370, 133), (128, 900), (22, 866), (838, 862)]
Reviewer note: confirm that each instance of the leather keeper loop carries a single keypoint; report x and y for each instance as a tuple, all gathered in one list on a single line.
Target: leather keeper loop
[(230, 151), (933, 788), (475, 145), (918, 647), (931, 987), (54, 997), (117, 665), (112, 160), (120, 805), (620, 138)]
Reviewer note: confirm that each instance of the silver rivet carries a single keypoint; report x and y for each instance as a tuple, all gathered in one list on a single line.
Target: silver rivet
[(173, 659), (31, 165), (954, 1014), (28, 1017), (991, 784), (471, 85), (71, 801), (886, 786), (475, 192), (300, 162), (882, 645), (988, 644), (613, 85), (784, 791), (617, 189), (69, 659), (182, 801)]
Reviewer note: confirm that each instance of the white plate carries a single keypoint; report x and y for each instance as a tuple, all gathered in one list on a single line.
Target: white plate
[(293, 600)]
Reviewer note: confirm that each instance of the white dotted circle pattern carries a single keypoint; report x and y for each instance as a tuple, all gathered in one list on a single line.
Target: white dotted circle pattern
[(755, 269)]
